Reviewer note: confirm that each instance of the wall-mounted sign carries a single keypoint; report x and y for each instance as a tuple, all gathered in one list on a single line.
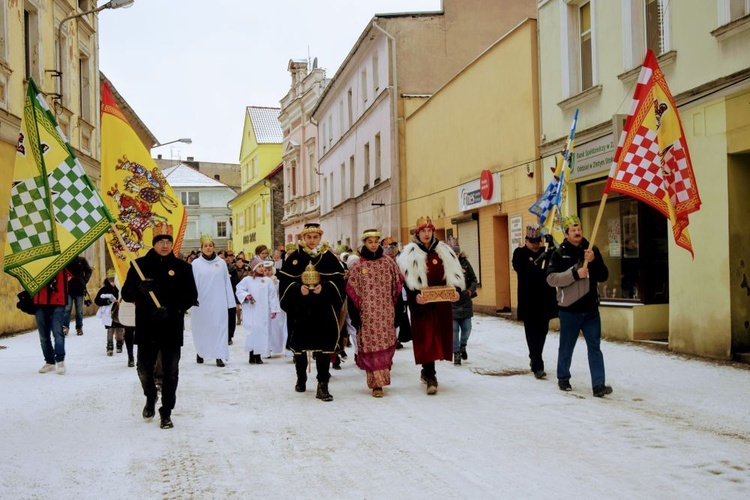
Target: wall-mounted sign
[(485, 184), (593, 157), (470, 195)]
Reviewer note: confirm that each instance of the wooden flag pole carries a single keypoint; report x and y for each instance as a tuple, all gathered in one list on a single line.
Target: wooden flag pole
[(133, 261), (596, 225)]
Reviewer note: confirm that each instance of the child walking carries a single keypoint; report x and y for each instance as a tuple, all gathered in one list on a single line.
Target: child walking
[(260, 305)]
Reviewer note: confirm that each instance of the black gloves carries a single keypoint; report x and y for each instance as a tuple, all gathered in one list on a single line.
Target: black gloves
[(146, 285), (161, 313)]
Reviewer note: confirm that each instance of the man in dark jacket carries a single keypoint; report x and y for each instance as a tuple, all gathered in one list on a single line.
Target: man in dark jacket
[(159, 328), (574, 270), (536, 299), (80, 272), (463, 309), (312, 298)]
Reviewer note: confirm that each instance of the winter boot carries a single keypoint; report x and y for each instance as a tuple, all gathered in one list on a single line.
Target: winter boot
[(258, 361), (79, 331), (251, 358), (323, 393), (119, 346), (148, 410), (131, 362), (300, 385), (464, 356), (336, 365), (198, 359), (166, 419), (457, 358), (220, 363), (110, 346)]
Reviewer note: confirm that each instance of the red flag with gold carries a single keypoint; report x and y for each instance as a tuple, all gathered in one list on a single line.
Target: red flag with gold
[(652, 162), (134, 189)]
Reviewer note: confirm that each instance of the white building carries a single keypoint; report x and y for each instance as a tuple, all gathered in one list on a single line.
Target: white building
[(206, 203)]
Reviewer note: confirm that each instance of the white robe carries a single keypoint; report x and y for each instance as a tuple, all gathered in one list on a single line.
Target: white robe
[(277, 341), (209, 320), (256, 317)]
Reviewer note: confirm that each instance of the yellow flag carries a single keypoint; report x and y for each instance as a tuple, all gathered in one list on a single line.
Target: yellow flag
[(134, 189)]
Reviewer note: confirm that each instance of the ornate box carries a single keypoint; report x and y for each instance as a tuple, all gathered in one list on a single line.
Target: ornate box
[(438, 293)]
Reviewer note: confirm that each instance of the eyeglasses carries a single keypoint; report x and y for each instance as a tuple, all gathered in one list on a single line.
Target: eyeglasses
[(163, 242)]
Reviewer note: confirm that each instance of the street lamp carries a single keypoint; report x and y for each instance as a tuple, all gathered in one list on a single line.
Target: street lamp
[(112, 4), (186, 140)]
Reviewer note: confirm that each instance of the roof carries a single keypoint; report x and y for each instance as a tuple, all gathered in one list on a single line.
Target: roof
[(266, 126), (184, 176)]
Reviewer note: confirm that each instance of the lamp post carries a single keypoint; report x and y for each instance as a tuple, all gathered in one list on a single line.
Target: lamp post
[(112, 4), (186, 140)]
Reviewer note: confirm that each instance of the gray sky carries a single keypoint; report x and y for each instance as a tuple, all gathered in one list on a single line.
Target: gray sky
[(190, 67)]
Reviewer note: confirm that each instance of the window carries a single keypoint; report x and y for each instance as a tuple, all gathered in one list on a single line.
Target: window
[(330, 190), (31, 44), (217, 177), (190, 198), (312, 168), (578, 51), (363, 79), (632, 239), (350, 107), (85, 87), (221, 229), (584, 35), (341, 116), (654, 33), (294, 177), (330, 130), (343, 182), (324, 199), (737, 9), (377, 159), (375, 73), (3, 32), (367, 167), (351, 176)]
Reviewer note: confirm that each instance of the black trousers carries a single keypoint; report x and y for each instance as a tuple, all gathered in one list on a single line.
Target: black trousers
[(536, 334), (322, 366), (129, 334), (170, 363), (232, 322)]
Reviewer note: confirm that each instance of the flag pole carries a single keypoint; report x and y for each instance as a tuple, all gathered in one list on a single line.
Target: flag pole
[(596, 224), (133, 261)]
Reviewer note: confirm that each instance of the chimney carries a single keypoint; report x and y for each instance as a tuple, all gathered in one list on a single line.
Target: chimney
[(158, 157), (189, 158)]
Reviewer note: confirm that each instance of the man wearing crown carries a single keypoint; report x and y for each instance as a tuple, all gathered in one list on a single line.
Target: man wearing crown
[(162, 296), (215, 295), (428, 262), (311, 292)]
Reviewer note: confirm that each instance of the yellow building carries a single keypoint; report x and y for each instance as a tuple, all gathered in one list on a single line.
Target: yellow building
[(471, 156), (260, 156), (590, 55)]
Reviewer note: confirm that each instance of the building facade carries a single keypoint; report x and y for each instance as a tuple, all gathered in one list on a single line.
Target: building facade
[(226, 173), (590, 57), (301, 185), (471, 151), (361, 114), (260, 155), (206, 202)]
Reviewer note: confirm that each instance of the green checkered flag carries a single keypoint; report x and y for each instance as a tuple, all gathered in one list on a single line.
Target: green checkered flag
[(56, 211), (31, 228)]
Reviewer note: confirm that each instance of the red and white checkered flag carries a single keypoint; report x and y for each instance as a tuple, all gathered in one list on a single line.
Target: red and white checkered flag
[(652, 162)]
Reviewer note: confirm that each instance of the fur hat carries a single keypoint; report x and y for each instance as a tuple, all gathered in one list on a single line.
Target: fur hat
[(533, 233), (370, 233), (311, 227)]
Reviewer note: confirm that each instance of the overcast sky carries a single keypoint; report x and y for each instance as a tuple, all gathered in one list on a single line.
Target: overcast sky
[(190, 67)]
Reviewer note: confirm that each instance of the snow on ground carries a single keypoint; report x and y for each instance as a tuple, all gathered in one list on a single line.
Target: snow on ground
[(675, 427)]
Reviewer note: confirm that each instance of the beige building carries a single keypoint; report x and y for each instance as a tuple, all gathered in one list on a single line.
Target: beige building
[(361, 115), (471, 151), (226, 173), (590, 56)]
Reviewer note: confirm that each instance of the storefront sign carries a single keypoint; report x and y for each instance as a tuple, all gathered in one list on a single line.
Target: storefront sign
[(470, 195), (593, 157), (516, 233), (485, 184)]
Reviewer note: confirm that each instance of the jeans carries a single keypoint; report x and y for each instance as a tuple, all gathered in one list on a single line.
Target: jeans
[(464, 325), (49, 320), (591, 325), (79, 311)]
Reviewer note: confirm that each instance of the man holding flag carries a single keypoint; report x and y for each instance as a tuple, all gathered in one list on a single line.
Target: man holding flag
[(55, 214)]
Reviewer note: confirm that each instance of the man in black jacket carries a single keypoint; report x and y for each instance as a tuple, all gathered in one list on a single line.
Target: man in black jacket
[(536, 299), (80, 271), (575, 269), (159, 329)]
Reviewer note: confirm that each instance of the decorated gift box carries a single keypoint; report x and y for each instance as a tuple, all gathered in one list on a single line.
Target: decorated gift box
[(438, 293)]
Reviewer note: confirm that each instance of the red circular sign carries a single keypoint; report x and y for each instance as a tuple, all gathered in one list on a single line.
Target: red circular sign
[(485, 184)]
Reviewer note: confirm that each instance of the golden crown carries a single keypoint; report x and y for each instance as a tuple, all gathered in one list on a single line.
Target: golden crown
[(162, 229)]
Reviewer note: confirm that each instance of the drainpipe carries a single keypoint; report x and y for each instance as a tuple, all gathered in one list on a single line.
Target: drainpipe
[(395, 158)]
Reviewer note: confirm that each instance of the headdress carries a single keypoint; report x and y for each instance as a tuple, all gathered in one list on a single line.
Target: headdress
[(111, 273), (255, 262), (570, 220), (311, 227), (206, 238), (161, 231), (452, 242), (533, 234), (370, 233), (388, 241), (423, 223), (267, 263)]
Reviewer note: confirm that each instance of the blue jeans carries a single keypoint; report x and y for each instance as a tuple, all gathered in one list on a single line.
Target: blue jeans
[(591, 325), (464, 325), (79, 311), (49, 320)]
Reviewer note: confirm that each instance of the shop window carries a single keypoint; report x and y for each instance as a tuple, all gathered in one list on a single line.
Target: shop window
[(632, 238)]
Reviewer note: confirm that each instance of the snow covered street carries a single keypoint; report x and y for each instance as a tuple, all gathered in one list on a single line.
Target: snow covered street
[(675, 427)]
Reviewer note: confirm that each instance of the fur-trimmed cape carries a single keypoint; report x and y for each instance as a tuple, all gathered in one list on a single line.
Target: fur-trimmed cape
[(413, 263)]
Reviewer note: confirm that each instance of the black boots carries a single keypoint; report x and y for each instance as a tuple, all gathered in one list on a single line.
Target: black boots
[(301, 383), (149, 410), (258, 361), (166, 419), (119, 346), (464, 356), (198, 359), (323, 393), (220, 363), (457, 358), (251, 358), (110, 348)]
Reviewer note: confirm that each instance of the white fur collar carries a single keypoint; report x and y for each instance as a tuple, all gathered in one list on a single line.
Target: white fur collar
[(413, 263)]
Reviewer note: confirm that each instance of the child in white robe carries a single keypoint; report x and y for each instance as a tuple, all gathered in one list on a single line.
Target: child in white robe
[(260, 305), (277, 340)]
